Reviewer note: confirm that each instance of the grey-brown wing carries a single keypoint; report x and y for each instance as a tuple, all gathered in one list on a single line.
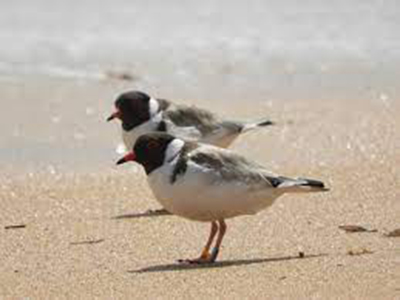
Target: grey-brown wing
[(188, 116), (233, 167)]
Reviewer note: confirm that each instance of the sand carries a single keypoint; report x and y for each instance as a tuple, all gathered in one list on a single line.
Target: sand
[(85, 235)]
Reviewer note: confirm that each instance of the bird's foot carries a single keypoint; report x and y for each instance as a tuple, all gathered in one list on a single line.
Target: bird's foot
[(205, 258)]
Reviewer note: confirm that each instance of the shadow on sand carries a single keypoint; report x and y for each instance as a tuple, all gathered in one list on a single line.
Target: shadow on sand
[(220, 264), (147, 214)]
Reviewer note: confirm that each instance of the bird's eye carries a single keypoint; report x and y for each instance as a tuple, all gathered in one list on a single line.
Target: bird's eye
[(152, 145)]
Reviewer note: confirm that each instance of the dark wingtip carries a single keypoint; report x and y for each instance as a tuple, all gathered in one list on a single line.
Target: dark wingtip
[(314, 183), (275, 181), (266, 123)]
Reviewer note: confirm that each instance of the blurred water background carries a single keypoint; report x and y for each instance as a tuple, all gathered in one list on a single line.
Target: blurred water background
[(257, 44), (56, 58)]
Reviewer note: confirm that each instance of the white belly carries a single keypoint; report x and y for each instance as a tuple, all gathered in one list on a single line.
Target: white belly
[(197, 195)]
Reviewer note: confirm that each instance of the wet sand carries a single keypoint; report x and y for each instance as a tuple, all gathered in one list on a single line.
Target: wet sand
[(85, 237)]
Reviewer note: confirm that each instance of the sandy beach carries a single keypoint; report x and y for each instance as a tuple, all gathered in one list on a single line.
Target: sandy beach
[(73, 225), (85, 235)]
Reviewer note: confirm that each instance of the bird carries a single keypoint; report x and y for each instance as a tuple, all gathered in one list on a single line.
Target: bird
[(140, 113), (206, 183)]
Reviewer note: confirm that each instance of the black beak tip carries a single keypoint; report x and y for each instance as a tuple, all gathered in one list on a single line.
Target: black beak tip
[(110, 118), (121, 161)]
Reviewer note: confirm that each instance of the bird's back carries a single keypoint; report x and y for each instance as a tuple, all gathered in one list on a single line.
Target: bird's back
[(201, 125)]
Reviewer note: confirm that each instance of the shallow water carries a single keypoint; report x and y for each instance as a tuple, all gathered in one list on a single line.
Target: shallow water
[(55, 55), (259, 45)]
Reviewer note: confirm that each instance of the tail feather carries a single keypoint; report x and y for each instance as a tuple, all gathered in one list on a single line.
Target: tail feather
[(299, 185), (254, 125), (312, 183)]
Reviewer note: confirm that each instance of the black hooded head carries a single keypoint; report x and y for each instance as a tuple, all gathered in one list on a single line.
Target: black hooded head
[(150, 150), (134, 109)]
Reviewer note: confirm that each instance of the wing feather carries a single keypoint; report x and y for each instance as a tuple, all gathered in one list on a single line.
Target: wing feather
[(231, 167)]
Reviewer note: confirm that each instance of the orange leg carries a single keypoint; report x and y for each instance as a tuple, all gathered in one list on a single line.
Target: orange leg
[(222, 231), (205, 256), (206, 251)]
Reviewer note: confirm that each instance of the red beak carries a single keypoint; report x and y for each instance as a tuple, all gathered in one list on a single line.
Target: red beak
[(128, 157), (116, 114)]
